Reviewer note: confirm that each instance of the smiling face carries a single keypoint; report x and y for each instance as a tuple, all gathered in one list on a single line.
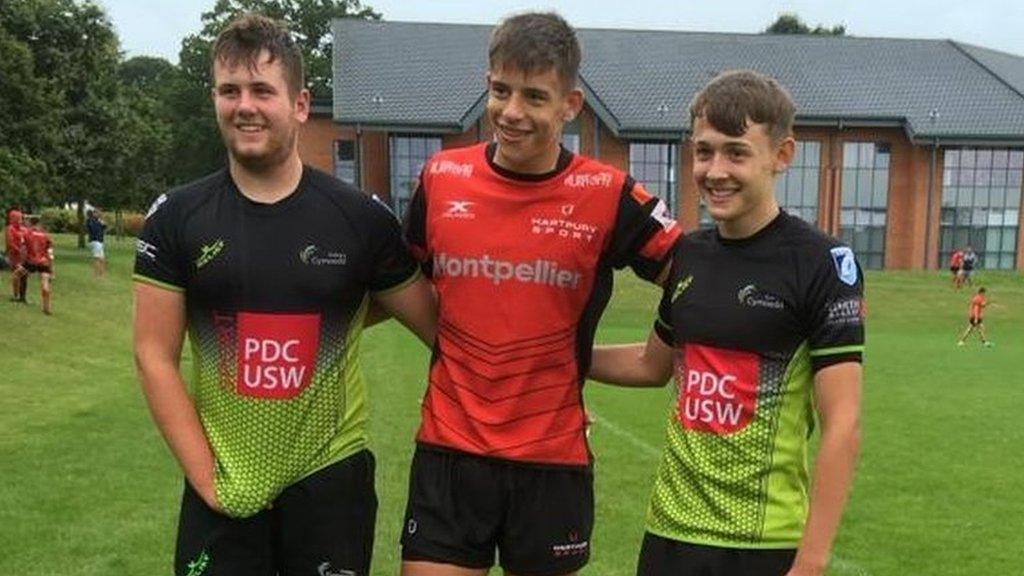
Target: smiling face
[(527, 111), (735, 175), (257, 115)]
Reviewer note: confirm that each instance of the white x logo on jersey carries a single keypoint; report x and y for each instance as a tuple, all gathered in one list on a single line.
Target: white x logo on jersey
[(459, 206)]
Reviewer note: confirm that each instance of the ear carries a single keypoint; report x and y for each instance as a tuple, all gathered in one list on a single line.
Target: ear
[(302, 105), (573, 105), (784, 152)]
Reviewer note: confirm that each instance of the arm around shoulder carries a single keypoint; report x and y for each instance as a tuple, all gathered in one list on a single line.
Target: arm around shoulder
[(414, 305), (633, 365)]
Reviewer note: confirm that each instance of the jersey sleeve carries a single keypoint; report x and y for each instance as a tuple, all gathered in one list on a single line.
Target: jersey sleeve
[(391, 263), (836, 308), (160, 259), (644, 232), (663, 325), (415, 229)]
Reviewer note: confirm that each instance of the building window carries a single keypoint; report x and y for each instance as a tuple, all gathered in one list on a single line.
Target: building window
[(408, 154), (981, 190), (655, 165), (345, 167), (797, 189), (865, 198)]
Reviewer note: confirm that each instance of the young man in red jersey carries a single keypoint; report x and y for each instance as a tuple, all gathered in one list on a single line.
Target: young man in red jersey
[(520, 238), (39, 258), (974, 321), (956, 260), (14, 238)]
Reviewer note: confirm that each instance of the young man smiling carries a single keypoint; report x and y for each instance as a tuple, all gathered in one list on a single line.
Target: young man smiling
[(270, 265), (520, 237), (760, 323)]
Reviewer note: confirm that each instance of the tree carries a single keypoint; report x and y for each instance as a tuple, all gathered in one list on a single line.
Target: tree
[(28, 126), (147, 154), (789, 23), (75, 55)]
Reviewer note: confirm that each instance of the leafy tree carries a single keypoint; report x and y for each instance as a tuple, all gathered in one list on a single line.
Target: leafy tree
[(75, 55), (28, 126), (789, 23), (147, 154)]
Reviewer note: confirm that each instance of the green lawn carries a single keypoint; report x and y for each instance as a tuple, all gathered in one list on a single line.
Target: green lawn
[(88, 487)]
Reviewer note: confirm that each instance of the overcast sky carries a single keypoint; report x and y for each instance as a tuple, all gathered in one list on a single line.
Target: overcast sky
[(156, 27)]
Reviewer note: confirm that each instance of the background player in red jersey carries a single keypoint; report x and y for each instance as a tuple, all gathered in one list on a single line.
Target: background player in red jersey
[(956, 260), (760, 320), (39, 258), (520, 237), (974, 320), (14, 238)]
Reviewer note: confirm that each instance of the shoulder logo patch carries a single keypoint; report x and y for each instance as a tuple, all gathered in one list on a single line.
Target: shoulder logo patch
[(845, 264), (156, 205)]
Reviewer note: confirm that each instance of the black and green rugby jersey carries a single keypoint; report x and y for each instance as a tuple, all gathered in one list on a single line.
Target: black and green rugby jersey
[(751, 320), (275, 299)]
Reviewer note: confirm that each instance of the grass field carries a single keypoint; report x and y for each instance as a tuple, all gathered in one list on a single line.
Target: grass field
[(88, 488)]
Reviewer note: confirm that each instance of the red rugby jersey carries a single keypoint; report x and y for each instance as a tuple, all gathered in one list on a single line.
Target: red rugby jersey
[(15, 243), (522, 265), (37, 245)]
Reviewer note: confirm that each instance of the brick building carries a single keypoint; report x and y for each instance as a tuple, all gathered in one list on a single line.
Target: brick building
[(905, 148)]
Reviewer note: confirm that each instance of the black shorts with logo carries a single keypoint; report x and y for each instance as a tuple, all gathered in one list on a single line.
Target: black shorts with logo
[(462, 507), (322, 525), (975, 321), (665, 557)]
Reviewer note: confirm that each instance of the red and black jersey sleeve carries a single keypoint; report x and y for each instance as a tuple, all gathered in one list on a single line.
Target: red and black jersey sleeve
[(159, 257), (415, 228), (835, 307), (644, 232)]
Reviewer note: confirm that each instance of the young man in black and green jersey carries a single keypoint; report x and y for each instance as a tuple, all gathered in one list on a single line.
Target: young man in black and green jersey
[(761, 325), (271, 267)]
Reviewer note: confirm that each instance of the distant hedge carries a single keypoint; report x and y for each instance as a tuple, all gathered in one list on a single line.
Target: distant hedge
[(59, 220)]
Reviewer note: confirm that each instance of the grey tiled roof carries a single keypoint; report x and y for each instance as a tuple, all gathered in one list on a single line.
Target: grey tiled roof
[(640, 82), (408, 74), (1009, 67)]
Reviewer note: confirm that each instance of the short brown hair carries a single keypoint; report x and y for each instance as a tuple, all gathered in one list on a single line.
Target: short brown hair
[(734, 99), (248, 35), (535, 42)]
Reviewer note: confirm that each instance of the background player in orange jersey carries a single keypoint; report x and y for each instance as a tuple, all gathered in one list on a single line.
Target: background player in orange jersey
[(14, 239), (39, 258), (974, 321), (956, 260)]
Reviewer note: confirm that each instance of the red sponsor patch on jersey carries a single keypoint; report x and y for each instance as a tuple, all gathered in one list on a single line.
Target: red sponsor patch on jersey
[(276, 354), (717, 389)]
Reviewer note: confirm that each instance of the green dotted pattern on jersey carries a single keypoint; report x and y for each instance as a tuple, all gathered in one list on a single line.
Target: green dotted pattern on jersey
[(262, 445), (746, 489)]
